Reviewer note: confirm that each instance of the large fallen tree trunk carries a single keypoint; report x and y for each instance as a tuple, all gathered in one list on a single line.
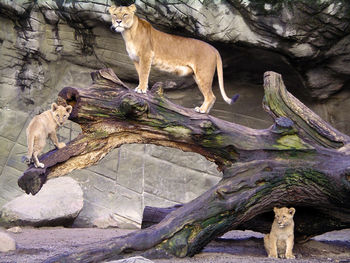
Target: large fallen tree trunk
[(300, 161)]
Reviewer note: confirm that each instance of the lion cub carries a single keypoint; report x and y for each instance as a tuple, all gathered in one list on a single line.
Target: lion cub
[(42, 126), (280, 241), (147, 46)]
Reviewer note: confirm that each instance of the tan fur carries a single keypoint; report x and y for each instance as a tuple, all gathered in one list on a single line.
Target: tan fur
[(148, 47), (42, 126), (280, 241)]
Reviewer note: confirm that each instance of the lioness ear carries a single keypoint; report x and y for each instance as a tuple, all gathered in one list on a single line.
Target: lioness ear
[(291, 211), (112, 8), (132, 8), (69, 109), (54, 106)]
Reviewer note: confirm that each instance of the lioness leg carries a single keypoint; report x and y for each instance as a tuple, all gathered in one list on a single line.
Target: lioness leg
[(204, 81), (143, 70), (137, 67)]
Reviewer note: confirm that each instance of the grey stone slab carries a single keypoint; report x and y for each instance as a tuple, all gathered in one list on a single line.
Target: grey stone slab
[(97, 189), (175, 183), (15, 158), (186, 159), (5, 148), (104, 193), (135, 147), (11, 123), (128, 204), (130, 167), (198, 183), (165, 180), (108, 165), (8, 184), (155, 201)]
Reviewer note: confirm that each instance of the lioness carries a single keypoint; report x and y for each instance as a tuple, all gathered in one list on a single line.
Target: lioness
[(42, 126), (147, 46), (280, 241)]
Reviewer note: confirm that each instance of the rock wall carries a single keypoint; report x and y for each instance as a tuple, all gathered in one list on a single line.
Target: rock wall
[(46, 45)]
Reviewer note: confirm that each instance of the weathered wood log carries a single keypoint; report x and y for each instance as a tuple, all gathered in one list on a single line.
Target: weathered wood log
[(300, 161)]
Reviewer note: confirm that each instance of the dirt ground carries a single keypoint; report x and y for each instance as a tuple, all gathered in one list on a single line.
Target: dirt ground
[(34, 245)]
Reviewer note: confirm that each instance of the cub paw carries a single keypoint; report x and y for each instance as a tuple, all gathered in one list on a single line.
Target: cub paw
[(273, 256), (26, 160), (39, 165), (139, 90), (61, 145), (290, 256)]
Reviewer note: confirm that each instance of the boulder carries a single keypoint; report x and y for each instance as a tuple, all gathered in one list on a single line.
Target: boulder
[(7, 243), (58, 203)]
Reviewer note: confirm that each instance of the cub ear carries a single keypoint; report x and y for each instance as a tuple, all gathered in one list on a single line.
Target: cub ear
[(275, 209), (111, 9), (69, 109), (291, 211), (132, 8), (54, 106)]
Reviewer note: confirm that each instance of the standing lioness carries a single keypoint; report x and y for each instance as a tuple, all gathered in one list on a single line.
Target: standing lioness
[(147, 46)]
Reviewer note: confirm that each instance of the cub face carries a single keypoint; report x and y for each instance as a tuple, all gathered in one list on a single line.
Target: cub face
[(122, 17), (60, 113), (284, 216)]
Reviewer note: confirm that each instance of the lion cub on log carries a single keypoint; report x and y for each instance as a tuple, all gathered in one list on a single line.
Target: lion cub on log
[(42, 126), (280, 241), (147, 46)]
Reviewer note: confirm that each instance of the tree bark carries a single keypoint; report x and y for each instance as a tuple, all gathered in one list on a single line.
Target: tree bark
[(300, 161)]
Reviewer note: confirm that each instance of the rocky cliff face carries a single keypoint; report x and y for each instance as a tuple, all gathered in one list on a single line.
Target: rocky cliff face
[(46, 45)]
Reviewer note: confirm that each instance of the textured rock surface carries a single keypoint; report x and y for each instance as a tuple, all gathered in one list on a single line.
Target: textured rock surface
[(59, 203), (47, 45)]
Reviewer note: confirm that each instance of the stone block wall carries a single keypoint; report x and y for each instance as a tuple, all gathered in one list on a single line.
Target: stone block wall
[(134, 176)]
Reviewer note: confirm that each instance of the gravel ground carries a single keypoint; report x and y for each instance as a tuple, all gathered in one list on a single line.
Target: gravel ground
[(34, 245)]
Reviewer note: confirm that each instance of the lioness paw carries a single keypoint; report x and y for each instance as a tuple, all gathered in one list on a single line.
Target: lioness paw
[(198, 109), (139, 90)]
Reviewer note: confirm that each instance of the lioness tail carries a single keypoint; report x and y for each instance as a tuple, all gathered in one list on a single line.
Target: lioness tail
[(221, 80)]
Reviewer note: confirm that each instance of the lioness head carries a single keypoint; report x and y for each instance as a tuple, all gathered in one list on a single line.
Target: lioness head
[(60, 114), (284, 216), (122, 17)]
